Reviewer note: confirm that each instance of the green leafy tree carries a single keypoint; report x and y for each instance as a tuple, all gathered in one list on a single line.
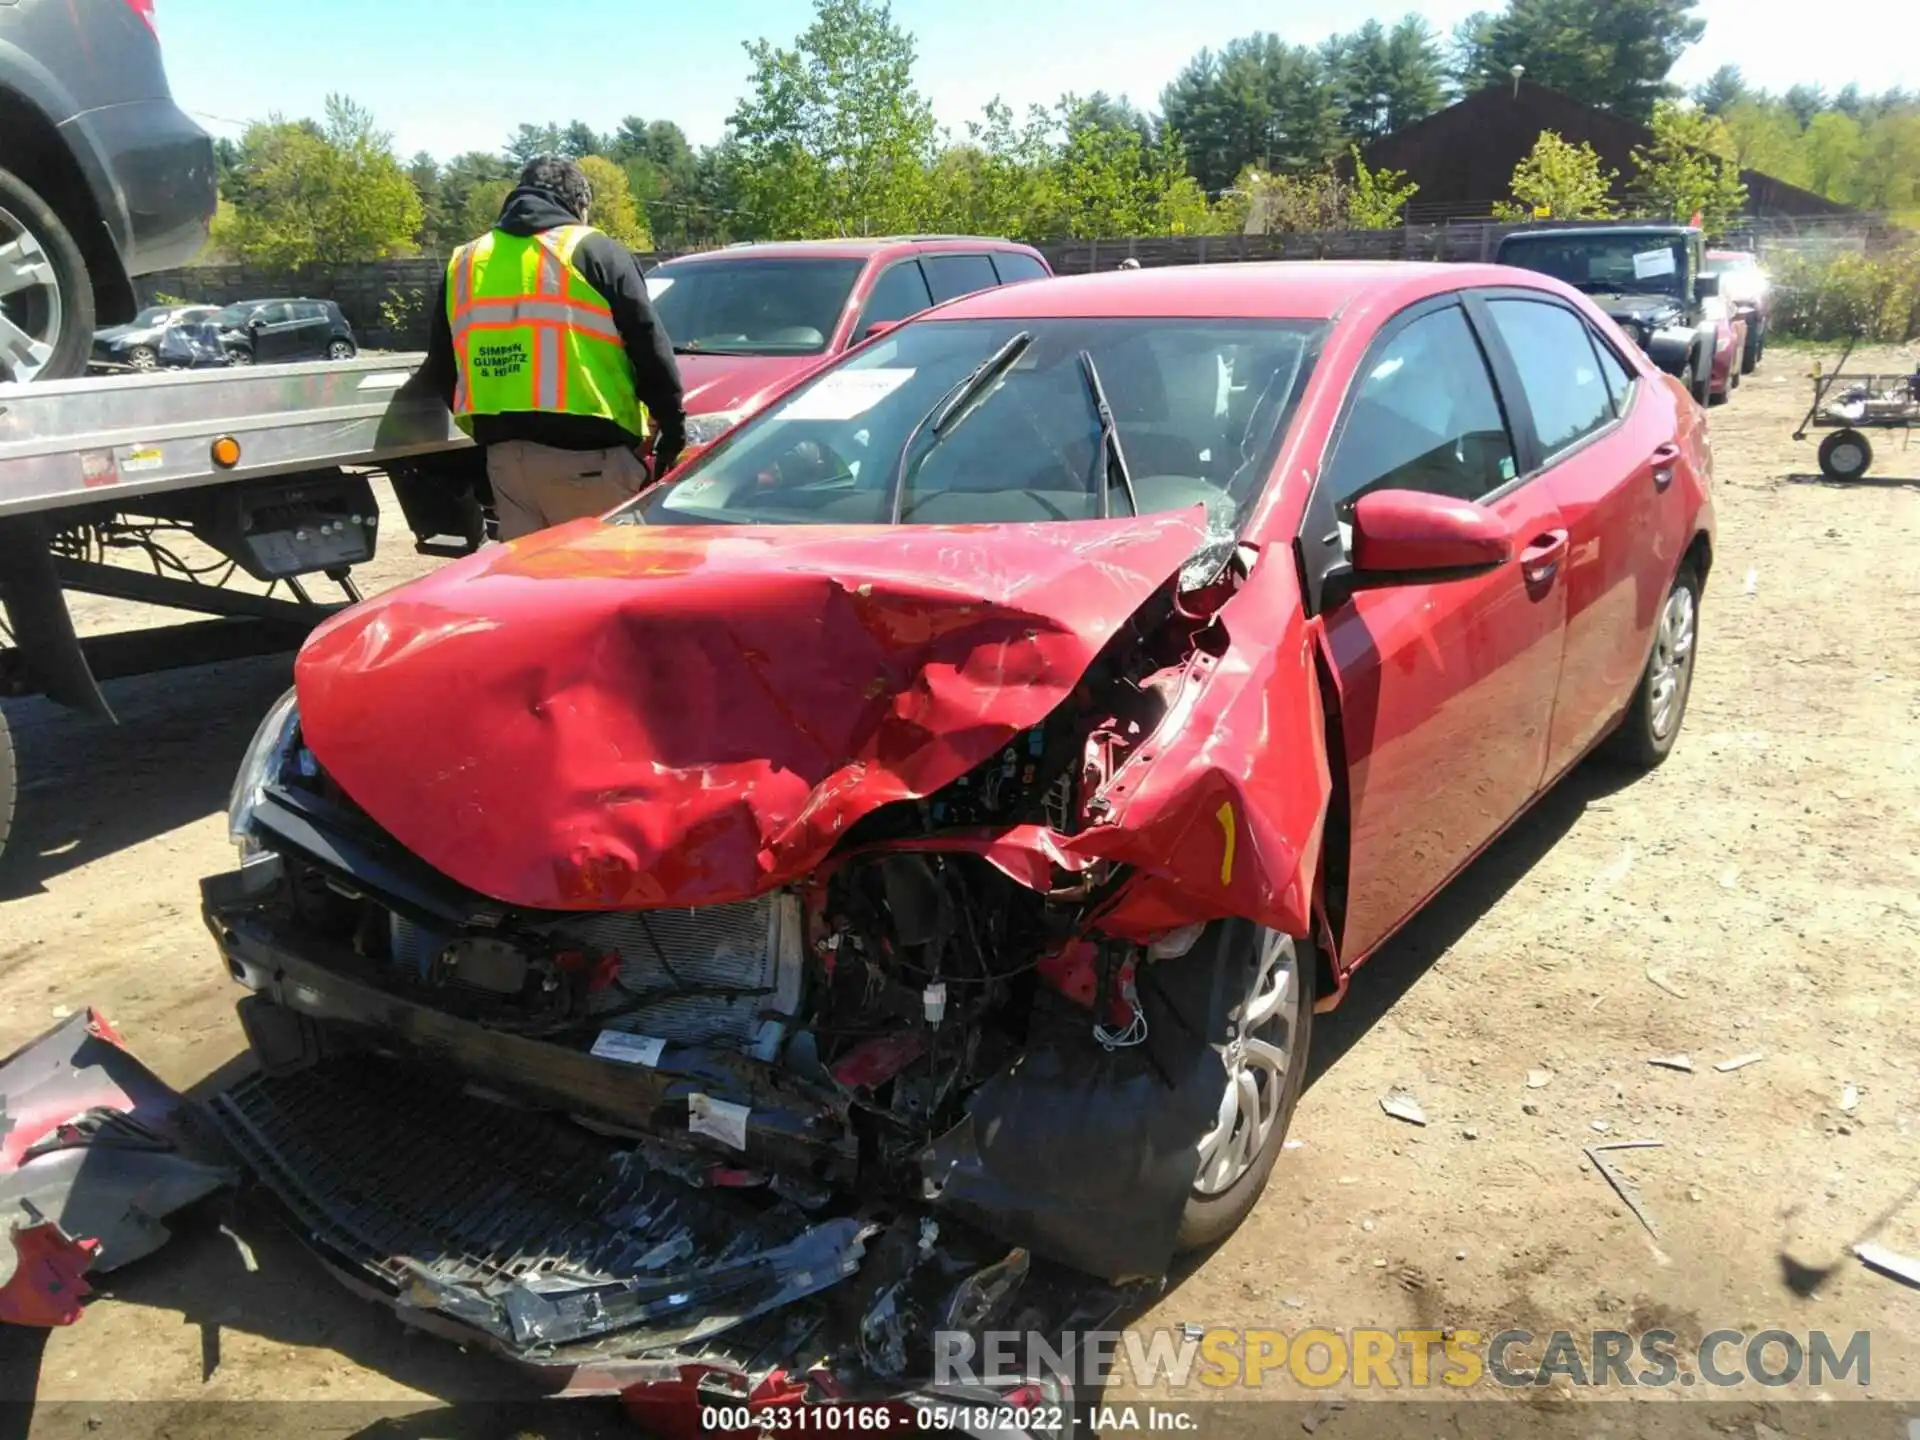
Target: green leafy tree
[(1831, 151), (614, 210), (1106, 186), (1285, 204), (1561, 182), (1887, 175), (1615, 54), (1721, 91), (1805, 101), (529, 142), (482, 207), (452, 226), (1689, 169), (1766, 137), (833, 138), (579, 140), (1386, 79), (306, 193), (424, 171), (1377, 199)]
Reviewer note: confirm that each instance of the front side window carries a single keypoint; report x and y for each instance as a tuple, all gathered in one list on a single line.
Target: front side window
[(1199, 406), (1426, 417), (900, 291), (1558, 371), (752, 305)]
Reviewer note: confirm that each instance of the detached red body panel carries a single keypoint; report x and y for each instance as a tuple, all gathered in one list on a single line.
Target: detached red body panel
[(609, 716)]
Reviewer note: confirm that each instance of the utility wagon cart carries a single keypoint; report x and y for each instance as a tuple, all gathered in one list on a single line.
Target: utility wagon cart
[(1849, 405)]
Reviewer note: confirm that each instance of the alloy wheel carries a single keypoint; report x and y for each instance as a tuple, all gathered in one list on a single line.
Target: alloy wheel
[(32, 309), (1257, 1055), (339, 350), (1672, 655)]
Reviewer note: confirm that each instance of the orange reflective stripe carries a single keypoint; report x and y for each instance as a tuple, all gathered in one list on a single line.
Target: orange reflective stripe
[(582, 320)]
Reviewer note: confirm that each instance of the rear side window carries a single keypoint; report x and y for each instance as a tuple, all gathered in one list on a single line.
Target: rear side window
[(1559, 372), (1015, 267), (951, 276), (1426, 417), (900, 291)]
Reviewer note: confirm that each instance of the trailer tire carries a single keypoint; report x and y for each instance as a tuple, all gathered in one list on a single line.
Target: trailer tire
[(9, 783), (66, 307), (1845, 455)]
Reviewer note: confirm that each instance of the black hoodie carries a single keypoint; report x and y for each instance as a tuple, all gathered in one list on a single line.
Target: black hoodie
[(612, 271)]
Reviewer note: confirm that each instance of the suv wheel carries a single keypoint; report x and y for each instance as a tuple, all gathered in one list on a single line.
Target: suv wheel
[(46, 299), (340, 350)]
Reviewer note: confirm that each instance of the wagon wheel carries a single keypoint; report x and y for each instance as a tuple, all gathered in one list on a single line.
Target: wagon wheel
[(1845, 455)]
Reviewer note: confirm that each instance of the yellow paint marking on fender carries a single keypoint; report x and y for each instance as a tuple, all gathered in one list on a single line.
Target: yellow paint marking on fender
[(1225, 817)]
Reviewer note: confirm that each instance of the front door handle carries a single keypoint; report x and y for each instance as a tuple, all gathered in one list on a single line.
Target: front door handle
[(1664, 459), (1540, 561)]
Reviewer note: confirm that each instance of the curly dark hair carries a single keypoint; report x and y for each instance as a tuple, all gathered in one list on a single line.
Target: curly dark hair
[(559, 180)]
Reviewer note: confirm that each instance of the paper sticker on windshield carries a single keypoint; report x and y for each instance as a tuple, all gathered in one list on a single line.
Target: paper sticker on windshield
[(629, 1049), (718, 1120), (1649, 263), (845, 394), (658, 285)]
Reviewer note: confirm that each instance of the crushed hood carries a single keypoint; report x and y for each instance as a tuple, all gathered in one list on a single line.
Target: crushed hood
[(607, 716)]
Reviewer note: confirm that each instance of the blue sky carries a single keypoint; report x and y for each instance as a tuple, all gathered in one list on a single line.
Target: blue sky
[(453, 75)]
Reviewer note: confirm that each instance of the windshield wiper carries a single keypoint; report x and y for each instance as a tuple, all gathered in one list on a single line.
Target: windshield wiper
[(1111, 463), (936, 421)]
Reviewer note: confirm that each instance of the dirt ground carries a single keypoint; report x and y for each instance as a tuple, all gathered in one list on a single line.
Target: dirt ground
[(1759, 894)]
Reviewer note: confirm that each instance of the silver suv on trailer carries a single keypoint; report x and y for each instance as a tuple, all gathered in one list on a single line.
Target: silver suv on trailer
[(102, 176)]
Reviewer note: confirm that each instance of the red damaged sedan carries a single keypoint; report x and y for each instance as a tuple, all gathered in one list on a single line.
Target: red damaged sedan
[(876, 887)]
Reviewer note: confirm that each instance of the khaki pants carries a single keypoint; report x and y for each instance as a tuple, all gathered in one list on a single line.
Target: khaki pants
[(535, 486)]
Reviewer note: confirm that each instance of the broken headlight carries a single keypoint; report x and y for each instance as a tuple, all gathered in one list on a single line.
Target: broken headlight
[(272, 745)]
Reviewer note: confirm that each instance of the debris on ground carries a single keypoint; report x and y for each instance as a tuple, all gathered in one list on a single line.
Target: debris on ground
[(1672, 1062), (98, 1151), (1402, 1106), (1850, 1098), (1890, 1263), (1621, 1186), (1601, 1127), (1659, 978), (1739, 1062), (1539, 1079), (1322, 1411)]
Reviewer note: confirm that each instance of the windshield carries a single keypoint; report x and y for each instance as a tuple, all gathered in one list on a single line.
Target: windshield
[(1199, 410), (1599, 264), (752, 306), (1730, 264)]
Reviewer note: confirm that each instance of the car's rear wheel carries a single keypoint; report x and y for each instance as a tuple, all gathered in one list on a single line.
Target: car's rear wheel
[(1262, 1042), (1646, 737), (1845, 455), (1750, 355), (142, 357), (340, 350), (238, 355), (46, 298)]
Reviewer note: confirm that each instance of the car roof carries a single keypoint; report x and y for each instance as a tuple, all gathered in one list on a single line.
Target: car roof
[(863, 248), (1265, 290), (1576, 232)]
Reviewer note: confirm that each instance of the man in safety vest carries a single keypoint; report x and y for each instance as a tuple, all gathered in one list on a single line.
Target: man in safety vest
[(544, 346)]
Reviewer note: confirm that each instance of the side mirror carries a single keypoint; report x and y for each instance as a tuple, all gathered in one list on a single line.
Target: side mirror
[(1411, 537), (879, 327), (1706, 286)]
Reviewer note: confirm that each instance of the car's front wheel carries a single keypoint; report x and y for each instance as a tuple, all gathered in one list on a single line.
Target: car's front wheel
[(239, 355), (340, 350), (143, 357), (46, 297), (1652, 725), (1701, 382), (1262, 1044)]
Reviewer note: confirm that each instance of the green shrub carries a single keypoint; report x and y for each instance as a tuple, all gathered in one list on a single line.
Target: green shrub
[(1832, 297)]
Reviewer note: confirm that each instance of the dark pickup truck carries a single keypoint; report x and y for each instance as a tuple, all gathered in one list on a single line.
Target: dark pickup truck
[(1651, 279)]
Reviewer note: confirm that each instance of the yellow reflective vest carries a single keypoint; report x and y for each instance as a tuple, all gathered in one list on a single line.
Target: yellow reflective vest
[(529, 333)]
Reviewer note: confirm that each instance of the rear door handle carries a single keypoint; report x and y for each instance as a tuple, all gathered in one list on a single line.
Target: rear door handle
[(1541, 559), (1664, 459)]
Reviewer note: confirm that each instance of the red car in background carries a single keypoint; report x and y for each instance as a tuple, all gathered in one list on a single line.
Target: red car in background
[(881, 881), (748, 319), (1744, 283), (1729, 346)]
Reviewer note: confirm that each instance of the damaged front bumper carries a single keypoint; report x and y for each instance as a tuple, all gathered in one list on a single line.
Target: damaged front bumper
[(500, 1190)]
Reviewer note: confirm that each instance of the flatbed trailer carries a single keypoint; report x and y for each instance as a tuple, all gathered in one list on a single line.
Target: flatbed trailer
[(265, 465)]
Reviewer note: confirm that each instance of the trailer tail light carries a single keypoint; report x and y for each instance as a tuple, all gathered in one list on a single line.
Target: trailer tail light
[(144, 9)]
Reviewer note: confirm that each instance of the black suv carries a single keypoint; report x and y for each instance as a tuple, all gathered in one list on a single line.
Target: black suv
[(102, 177), (1650, 279), (268, 332)]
